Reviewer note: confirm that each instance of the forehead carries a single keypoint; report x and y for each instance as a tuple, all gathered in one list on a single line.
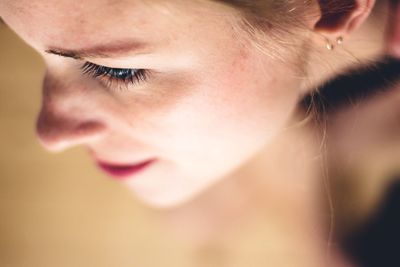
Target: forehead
[(71, 23)]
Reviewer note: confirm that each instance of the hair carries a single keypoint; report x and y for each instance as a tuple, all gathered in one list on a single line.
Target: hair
[(280, 24), (289, 13), (272, 23)]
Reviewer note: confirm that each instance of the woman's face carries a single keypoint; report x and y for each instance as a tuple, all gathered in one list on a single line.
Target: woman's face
[(205, 103)]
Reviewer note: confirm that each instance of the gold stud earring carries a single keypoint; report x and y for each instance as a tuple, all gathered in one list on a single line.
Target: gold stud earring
[(329, 45), (339, 40)]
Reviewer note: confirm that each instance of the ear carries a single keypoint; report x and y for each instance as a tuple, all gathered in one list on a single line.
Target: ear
[(340, 18), (394, 28)]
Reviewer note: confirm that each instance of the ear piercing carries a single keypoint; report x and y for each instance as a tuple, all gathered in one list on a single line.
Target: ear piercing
[(330, 46)]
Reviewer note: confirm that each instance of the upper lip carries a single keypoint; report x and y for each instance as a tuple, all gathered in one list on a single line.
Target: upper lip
[(120, 167), (104, 161)]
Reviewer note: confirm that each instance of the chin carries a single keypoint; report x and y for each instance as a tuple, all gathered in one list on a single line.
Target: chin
[(173, 191), (165, 202), (168, 199)]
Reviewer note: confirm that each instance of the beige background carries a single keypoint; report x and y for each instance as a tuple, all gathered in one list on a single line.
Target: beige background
[(58, 210)]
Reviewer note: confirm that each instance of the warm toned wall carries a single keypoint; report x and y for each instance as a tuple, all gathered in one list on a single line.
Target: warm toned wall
[(58, 210)]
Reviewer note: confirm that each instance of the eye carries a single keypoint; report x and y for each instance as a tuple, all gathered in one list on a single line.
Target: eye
[(115, 76)]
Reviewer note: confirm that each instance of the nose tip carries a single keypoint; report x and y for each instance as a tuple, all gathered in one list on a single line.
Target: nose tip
[(56, 133)]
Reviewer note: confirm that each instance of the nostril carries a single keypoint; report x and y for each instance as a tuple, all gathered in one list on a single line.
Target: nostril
[(58, 134)]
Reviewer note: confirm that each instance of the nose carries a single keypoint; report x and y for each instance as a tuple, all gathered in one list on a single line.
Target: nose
[(67, 117), (57, 133)]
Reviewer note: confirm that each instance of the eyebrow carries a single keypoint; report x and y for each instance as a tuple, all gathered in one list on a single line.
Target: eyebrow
[(101, 51)]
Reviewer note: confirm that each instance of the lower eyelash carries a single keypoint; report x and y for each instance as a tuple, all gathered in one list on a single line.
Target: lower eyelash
[(109, 76)]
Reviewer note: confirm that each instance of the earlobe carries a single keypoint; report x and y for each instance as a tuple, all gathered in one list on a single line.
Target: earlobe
[(340, 18)]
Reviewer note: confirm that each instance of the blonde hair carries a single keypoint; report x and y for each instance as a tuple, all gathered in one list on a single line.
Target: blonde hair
[(281, 24), (275, 27)]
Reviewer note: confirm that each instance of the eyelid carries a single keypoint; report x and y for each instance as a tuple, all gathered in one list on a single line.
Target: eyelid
[(108, 76)]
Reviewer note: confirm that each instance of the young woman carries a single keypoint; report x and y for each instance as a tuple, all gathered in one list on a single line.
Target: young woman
[(171, 97)]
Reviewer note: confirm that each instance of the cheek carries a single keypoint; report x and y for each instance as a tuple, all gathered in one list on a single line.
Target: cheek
[(252, 97), (219, 114), (229, 111)]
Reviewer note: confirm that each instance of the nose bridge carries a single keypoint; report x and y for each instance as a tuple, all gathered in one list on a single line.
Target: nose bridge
[(67, 116), (58, 98), (59, 94)]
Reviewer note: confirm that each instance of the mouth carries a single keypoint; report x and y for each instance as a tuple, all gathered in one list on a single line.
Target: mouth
[(124, 171)]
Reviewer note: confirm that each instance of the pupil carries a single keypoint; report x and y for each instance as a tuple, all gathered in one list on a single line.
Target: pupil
[(122, 74)]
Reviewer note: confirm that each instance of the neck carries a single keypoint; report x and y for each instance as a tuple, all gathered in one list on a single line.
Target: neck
[(273, 199)]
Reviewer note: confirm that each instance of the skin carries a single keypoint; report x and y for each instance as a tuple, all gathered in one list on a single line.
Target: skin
[(207, 107)]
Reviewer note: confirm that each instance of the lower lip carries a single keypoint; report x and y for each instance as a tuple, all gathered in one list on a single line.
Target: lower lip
[(124, 171)]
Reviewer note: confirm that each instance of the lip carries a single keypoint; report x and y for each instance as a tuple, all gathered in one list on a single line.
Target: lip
[(124, 171)]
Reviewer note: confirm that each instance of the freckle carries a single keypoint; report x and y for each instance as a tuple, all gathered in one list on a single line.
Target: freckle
[(82, 20), (240, 59)]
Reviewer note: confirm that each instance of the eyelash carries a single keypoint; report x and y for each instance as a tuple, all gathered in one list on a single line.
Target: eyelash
[(110, 76)]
